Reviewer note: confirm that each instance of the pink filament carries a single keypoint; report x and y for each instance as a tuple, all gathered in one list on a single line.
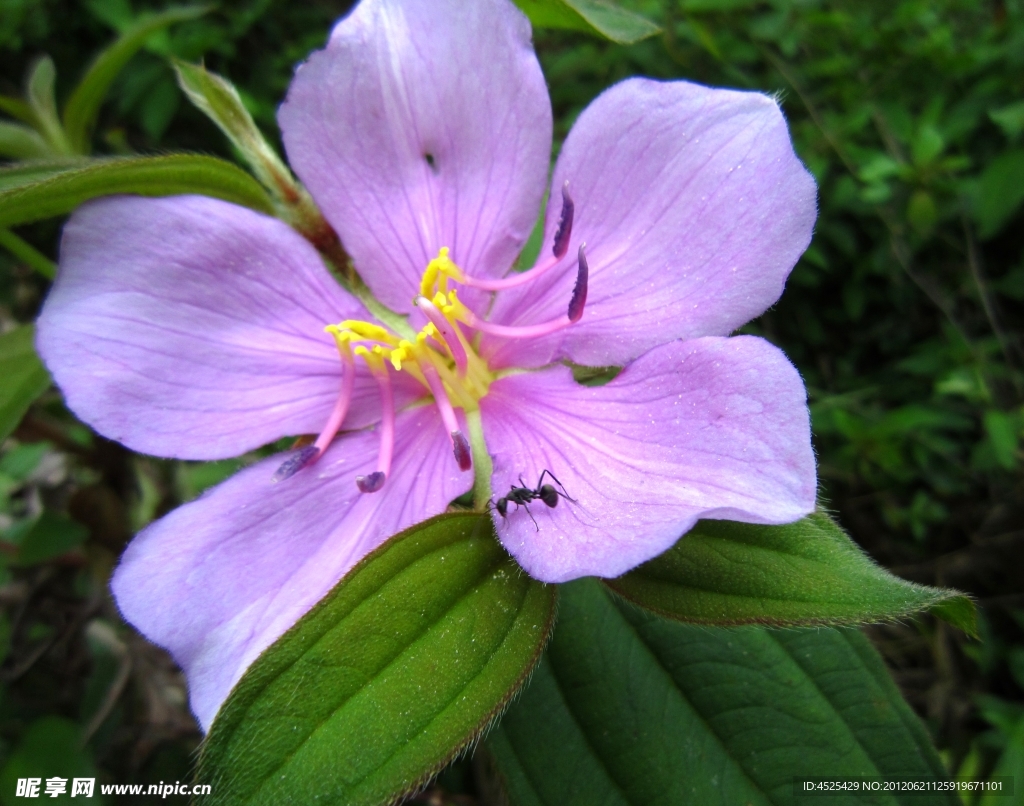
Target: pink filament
[(576, 305), (374, 481), (558, 249), (447, 332), (459, 444), (311, 453), (348, 380), (513, 280), (524, 332)]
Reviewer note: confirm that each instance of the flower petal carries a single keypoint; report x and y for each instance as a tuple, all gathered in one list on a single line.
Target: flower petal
[(193, 328), (424, 123), (220, 579), (708, 428), (694, 209)]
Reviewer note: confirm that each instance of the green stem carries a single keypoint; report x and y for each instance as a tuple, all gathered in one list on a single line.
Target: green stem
[(24, 251), (482, 464), (398, 323)]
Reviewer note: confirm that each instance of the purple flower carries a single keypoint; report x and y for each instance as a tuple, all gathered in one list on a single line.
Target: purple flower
[(190, 328)]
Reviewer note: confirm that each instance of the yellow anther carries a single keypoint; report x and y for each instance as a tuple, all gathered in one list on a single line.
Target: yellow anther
[(403, 352), (455, 309), (340, 336), (437, 273), (367, 330)]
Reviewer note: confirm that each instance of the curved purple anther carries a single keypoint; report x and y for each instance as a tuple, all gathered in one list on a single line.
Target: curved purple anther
[(463, 455), (293, 464), (564, 231), (370, 483), (579, 292)]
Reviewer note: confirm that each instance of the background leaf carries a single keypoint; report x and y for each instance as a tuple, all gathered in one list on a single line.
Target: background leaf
[(597, 17), (399, 668), (61, 192), (808, 572), (49, 747), (47, 537), (42, 99), (25, 377), (84, 103), (1000, 192), (629, 708), (219, 100), (21, 142)]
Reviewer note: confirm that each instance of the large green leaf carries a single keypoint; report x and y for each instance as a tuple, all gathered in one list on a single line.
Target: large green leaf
[(808, 572), (393, 673), (26, 172), (25, 377), (598, 17), (84, 103), (61, 191), (629, 708)]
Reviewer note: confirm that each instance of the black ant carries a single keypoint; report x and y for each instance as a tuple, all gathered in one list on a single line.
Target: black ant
[(522, 496)]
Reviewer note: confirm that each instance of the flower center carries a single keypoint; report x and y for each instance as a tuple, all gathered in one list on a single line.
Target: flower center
[(441, 357)]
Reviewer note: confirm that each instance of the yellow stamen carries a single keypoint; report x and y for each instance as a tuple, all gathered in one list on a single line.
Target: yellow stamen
[(437, 273)]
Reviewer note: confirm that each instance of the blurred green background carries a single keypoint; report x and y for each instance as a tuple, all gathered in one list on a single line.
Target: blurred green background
[(905, 318)]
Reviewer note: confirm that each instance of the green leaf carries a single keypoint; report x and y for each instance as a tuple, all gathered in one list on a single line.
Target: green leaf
[(808, 572), (42, 99), (628, 708), (61, 192), (84, 104), (27, 253), (25, 377), (400, 667), (19, 109), (50, 536), (1010, 119), (50, 747), (927, 145), (29, 171), (922, 212), (218, 99), (597, 17), (1000, 192), (1001, 430), (21, 142), (1010, 767)]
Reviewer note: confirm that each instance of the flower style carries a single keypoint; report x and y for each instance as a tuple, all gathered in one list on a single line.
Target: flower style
[(191, 328)]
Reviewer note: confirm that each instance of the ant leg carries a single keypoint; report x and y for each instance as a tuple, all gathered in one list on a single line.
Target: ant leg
[(527, 508), (564, 493)]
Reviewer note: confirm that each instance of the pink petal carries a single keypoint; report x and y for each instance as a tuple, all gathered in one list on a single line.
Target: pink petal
[(708, 428), (694, 209), (193, 328), (220, 579), (405, 81)]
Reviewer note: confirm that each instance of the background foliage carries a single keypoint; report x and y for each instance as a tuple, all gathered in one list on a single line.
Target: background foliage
[(904, 317)]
